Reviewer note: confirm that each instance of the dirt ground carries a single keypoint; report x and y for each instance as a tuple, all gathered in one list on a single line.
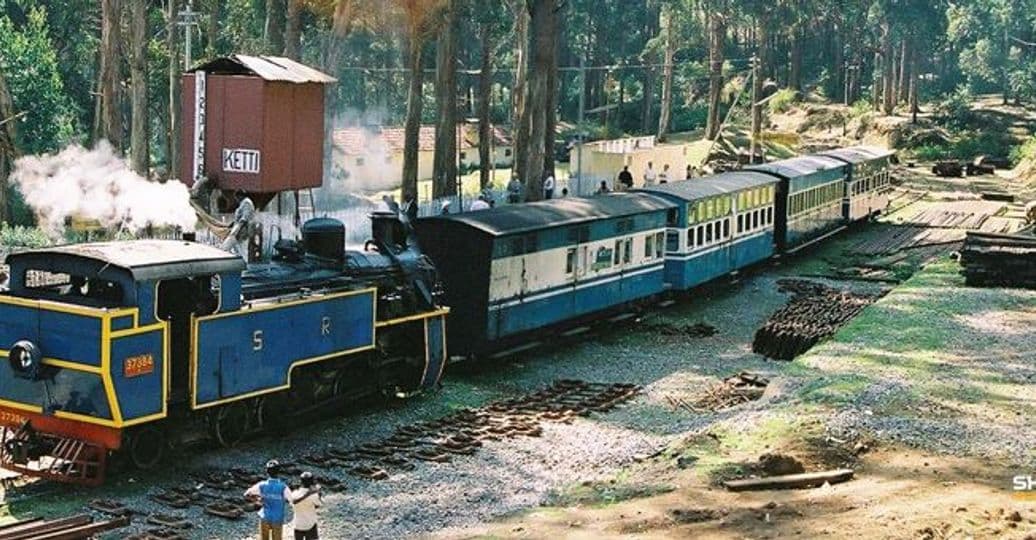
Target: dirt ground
[(897, 493)]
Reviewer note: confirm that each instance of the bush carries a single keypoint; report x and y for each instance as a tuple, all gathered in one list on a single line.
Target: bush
[(1025, 151), (18, 236), (955, 109), (783, 100), (931, 152), (860, 108)]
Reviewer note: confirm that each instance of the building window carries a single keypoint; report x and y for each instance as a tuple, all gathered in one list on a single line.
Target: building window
[(507, 152)]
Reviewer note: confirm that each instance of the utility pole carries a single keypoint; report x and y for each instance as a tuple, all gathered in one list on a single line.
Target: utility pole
[(188, 19), (848, 84), (582, 112), (757, 109)]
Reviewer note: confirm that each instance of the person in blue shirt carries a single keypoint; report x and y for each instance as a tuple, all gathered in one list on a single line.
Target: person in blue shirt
[(275, 497)]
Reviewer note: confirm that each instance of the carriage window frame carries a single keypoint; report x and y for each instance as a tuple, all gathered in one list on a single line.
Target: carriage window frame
[(570, 262)]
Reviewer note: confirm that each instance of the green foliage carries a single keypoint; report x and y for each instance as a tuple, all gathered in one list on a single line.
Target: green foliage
[(1025, 151), (955, 110), (966, 146), (783, 100), (19, 236), (30, 64), (860, 108)]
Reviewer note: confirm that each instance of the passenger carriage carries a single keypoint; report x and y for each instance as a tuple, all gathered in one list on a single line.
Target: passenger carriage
[(809, 199), (720, 224), (517, 269), (867, 186)]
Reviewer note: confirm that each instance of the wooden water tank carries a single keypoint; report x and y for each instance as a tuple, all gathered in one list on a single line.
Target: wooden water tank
[(254, 123)]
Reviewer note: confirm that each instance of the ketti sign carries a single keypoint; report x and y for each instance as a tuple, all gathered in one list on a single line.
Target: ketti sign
[(241, 161)]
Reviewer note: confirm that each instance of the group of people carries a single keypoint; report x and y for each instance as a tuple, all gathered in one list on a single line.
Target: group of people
[(625, 178), (275, 497)]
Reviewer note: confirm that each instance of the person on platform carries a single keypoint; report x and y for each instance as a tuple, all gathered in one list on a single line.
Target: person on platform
[(390, 203), (548, 186), (626, 178), (305, 501), (444, 210), (690, 172), (663, 178), (603, 189), (514, 190), (275, 497), (410, 207), (650, 175)]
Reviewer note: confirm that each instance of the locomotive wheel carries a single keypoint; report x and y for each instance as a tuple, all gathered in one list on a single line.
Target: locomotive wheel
[(274, 410), (146, 447), (230, 424)]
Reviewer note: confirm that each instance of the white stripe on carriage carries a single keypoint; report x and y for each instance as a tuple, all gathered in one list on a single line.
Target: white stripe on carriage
[(568, 289)]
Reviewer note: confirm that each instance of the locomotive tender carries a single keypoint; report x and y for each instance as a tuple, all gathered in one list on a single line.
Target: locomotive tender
[(517, 273), (136, 345)]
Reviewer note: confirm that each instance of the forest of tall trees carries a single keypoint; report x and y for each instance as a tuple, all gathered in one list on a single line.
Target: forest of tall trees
[(86, 70)]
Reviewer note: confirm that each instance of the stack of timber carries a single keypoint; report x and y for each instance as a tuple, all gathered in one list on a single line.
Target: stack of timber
[(999, 260)]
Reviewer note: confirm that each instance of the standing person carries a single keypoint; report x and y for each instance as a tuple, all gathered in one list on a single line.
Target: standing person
[(410, 207), (306, 500), (390, 203), (241, 231), (690, 173), (275, 497), (603, 189), (650, 175), (514, 190), (548, 186), (626, 178), (664, 177), (444, 210), (564, 192)]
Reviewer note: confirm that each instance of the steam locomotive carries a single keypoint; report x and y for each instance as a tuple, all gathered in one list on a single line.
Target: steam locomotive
[(141, 345)]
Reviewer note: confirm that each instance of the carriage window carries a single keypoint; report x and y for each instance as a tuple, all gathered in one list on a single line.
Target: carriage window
[(570, 261), (672, 241), (649, 246), (701, 235), (627, 252), (690, 238), (708, 233), (659, 238), (740, 224), (769, 215), (672, 217), (618, 251), (755, 219), (726, 228)]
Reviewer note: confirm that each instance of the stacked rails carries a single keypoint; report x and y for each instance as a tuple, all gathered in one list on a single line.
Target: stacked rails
[(999, 260)]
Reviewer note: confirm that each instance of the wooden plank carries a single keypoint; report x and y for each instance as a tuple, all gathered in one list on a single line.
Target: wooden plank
[(790, 481)]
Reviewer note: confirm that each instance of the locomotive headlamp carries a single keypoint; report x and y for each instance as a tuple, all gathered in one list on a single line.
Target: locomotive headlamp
[(25, 360)]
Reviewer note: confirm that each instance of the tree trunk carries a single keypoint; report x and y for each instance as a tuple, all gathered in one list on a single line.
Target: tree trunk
[(878, 81), (838, 62), (292, 31), (412, 131), (108, 125), (212, 29), (485, 88), (888, 54), (543, 23), (520, 115), (8, 144), (139, 140), (173, 74), (444, 176), (273, 30), (904, 65), (795, 66), (552, 97), (668, 29), (716, 33), (649, 96), (914, 76)]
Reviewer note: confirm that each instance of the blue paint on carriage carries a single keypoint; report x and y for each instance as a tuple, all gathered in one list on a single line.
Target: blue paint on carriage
[(558, 304), (140, 392), (688, 270), (254, 350)]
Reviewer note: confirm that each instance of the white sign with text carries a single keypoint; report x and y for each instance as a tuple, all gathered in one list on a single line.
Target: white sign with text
[(241, 160)]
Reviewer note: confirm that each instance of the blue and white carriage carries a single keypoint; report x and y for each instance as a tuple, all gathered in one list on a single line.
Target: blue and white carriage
[(721, 224), (520, 268), (867, 184), (809, 198)]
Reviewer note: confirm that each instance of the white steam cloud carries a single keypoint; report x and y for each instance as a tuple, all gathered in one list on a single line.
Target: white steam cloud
[(98, 185)]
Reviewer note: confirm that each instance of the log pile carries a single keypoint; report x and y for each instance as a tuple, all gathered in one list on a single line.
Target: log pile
[(999, 260), (814, 313)]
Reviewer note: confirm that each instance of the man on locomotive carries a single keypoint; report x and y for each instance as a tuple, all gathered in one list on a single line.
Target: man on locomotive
[(275, 497)]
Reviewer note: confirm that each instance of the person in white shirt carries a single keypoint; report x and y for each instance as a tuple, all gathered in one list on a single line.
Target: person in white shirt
[(480, 204), (548, 187), (306, 500), (650, 175), (664, 177)]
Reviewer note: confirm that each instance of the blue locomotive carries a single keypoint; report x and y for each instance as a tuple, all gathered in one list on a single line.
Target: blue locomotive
[(138, 345), (515, 273)]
